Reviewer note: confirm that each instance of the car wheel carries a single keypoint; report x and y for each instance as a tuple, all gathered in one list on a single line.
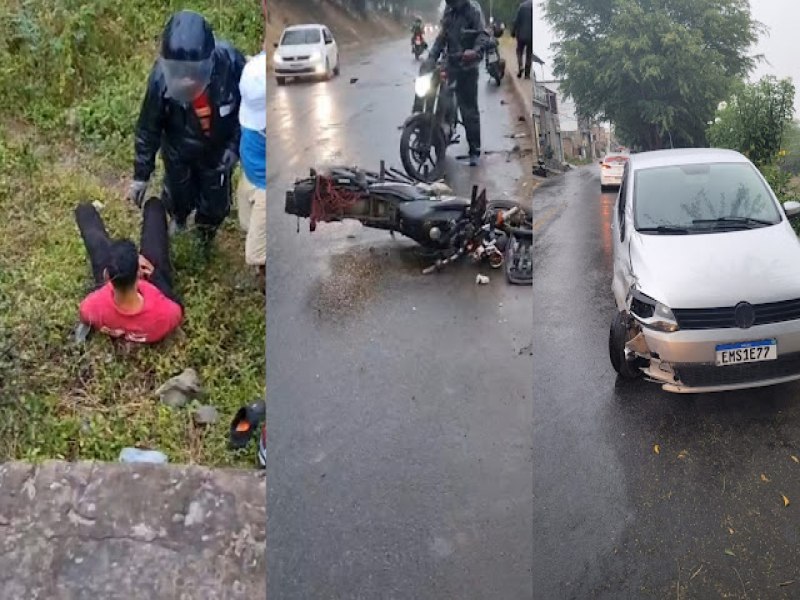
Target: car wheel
[(621, 333), (281, 80), (328, 73), (337, 70)]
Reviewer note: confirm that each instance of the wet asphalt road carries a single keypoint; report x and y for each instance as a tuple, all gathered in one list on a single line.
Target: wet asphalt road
[(399, 409), (612, 518)]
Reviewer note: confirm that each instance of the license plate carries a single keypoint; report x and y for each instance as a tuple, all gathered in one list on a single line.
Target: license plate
[(746, 352)]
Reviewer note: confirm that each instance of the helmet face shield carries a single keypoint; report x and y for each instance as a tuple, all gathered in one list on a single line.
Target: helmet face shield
[(186, 80)]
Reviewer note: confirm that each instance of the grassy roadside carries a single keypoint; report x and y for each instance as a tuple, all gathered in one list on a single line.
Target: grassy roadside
[(73, 76)]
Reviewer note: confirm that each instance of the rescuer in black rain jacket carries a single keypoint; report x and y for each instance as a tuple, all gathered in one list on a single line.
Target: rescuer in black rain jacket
[(458, 16), (191, 113)]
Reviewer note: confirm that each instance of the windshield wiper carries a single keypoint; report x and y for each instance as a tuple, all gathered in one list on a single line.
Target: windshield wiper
[(746, 222), (663, 229)]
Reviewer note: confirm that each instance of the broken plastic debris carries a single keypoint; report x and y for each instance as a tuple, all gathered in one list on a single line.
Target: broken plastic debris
[(481, 279), (136, 455), (657, 449)]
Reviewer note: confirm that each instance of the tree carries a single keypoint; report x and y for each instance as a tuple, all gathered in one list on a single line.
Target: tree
[(755, 119), (655, 68)]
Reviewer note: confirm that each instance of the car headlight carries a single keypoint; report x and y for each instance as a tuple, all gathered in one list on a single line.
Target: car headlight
[(316, 56), (423, 85), (653, 314), (277, 58)]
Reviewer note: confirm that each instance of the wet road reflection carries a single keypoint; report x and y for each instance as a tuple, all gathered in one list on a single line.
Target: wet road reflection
[(399, 404), (614, 519)]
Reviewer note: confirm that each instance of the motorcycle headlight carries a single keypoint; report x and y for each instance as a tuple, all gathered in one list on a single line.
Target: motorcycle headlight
[(423, 85), (653, 314)]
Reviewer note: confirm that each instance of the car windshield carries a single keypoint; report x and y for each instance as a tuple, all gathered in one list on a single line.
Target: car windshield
[(296, 37), (701, 198)]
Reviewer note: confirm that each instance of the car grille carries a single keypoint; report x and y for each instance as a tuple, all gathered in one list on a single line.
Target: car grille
[(296, 57), (707, 375), (724, 318)]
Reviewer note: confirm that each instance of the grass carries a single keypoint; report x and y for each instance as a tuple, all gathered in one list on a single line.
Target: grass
[(75, 76)]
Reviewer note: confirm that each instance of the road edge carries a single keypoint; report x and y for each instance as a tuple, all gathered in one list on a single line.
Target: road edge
[(527, 111)]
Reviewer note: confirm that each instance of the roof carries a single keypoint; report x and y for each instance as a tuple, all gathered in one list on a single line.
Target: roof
[(685, 156), (305, 26)]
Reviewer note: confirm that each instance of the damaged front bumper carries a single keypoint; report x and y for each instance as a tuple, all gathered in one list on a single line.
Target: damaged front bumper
[(685, 361)]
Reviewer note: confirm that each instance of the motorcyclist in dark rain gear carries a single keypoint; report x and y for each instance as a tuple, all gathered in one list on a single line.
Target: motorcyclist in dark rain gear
[(460, 15), (191, 113)]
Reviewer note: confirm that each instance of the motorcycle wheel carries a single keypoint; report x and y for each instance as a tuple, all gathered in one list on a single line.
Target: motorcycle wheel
[(417, 143)]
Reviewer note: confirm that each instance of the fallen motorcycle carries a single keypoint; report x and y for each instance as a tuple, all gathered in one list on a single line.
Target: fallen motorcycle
[(447, 227)]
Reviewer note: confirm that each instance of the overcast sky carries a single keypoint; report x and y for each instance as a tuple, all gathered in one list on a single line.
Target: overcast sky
[(780, 45)]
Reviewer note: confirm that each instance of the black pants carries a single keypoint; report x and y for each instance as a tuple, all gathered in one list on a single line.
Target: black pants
[(524, 47), (467, 94), (194, 187), (154, 243)]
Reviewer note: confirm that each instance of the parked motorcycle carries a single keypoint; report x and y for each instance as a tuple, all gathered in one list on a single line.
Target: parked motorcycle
[(418, 46), (499, 232), (432, 126), (495, 64)]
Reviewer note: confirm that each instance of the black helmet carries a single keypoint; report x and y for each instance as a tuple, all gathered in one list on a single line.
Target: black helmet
[(187, 36), (187, 51)]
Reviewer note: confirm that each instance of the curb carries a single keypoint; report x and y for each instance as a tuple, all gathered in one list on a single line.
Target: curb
[(527, 111)]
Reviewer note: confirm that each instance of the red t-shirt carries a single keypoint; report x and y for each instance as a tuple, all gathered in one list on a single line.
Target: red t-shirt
[(158, 317)]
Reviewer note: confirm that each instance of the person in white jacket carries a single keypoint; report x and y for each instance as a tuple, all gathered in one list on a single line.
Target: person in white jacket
[(252, 191)]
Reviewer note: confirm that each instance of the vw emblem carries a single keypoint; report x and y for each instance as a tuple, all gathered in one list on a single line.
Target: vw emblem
[(745, 315)]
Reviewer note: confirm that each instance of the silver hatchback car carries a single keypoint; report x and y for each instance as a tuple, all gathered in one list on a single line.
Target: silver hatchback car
[(706, 274)]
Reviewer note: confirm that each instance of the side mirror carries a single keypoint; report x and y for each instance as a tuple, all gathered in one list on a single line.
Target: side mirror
[(328, 42), (792, 209)]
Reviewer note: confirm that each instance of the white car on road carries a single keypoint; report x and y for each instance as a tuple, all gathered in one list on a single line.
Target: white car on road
[(306, 51), (611, 168), (706, 274)]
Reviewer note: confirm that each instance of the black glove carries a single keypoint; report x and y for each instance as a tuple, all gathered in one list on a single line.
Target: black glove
[(229, 160), (136, 192)]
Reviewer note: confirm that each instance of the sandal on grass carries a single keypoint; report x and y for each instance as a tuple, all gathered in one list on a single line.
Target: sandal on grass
[(245, 423)]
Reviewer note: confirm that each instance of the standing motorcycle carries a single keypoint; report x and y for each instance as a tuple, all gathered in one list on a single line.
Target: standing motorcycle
[(499, 232), (432, 126), (495, 64), (418, 46)]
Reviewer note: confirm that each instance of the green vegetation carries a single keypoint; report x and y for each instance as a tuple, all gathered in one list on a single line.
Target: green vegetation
[(755, 121), (73, 75), (655, 68)]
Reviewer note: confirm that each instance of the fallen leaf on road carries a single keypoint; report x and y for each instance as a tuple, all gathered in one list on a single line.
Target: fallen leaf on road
[(764, 478), (730, 530), (795, 459), (656, 449), (785, 501), (683, 454), (729, 552)]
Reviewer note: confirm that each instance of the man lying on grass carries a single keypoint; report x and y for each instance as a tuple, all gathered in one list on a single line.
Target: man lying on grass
[(133, 298)]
